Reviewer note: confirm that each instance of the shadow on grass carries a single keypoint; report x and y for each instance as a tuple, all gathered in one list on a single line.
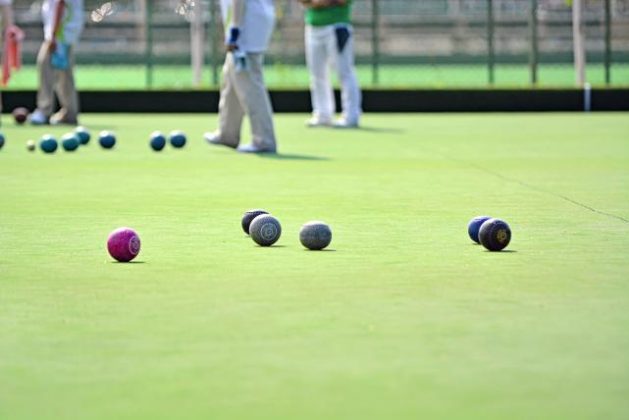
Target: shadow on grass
[(291, 156), (366, 128), (130, 262), (270, 247), (507, 251), (389, 130), (319, 250)]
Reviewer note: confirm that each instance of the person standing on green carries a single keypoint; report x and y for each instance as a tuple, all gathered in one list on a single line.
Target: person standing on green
[(329, 44), (63, 24), (10, 37)]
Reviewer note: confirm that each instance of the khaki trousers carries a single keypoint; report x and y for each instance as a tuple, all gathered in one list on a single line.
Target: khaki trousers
[(53, 81), (244, 93)]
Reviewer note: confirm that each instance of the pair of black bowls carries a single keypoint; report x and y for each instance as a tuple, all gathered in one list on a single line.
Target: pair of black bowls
[(494, 234)]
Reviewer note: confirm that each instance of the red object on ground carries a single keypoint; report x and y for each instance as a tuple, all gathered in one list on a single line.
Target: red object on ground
[(12, 57)]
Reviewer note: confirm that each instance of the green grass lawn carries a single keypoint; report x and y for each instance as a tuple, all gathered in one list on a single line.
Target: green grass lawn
[(402, 318), (390, 76)]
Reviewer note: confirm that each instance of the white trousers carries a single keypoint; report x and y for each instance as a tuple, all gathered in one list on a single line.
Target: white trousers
[(243, 92), (322, 54)]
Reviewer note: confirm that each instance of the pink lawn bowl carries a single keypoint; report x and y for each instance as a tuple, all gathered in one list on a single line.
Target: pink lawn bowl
[(123, 244)]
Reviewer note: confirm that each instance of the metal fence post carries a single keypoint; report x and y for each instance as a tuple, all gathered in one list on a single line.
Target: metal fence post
[(214, 42), (375, 42), (490, 41), (197, 43), (578, 42), (533, 54), (149, 44), (608, 42)]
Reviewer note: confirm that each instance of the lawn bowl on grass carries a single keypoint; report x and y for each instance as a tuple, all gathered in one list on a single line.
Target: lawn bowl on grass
[(248, 217), (474, 226), (494, 234), (123, 244), (2, 140), (48, 144), (70, 142), (177, 139), (157, 141), (265, 230), (315, 235), (83, 134), (20, 115), (107, 139)]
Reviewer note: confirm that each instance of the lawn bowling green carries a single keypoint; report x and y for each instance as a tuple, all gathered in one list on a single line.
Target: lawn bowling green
[(408, 318)]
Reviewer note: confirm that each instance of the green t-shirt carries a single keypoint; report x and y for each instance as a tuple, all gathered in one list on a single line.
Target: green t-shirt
[(329, 15)]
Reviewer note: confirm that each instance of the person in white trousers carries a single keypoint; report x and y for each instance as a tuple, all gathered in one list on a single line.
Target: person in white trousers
[(249, 25), (329, 44)]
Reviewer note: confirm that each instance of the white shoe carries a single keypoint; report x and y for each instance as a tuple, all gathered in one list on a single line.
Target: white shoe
[(252, 148), (60, 119), (214, 138), (318, 122), (345, 123), (38, 118)]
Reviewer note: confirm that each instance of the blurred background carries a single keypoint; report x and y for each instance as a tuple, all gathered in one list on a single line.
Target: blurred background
[(177, 44)]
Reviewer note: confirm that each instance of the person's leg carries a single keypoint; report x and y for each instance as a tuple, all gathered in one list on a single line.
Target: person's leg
[(254, 96), (318, 59), (67, 94), (344, 62), (230, 111), (46, 91)]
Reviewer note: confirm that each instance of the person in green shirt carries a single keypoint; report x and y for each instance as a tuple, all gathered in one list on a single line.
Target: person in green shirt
[(329, 44)]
